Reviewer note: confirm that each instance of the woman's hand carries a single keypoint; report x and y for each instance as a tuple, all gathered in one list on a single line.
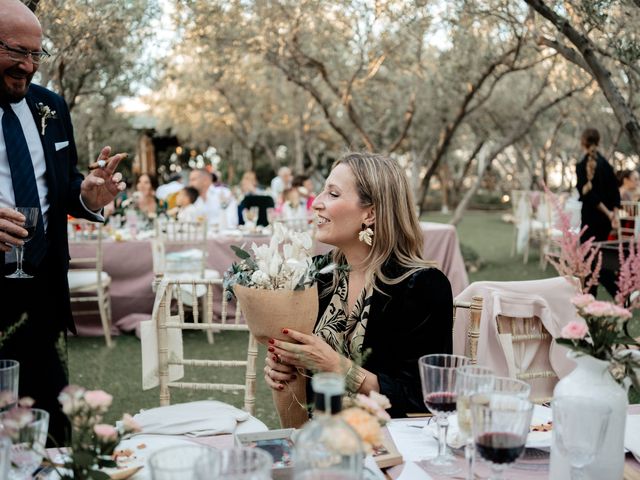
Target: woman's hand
[(311, 352), (276, 372)]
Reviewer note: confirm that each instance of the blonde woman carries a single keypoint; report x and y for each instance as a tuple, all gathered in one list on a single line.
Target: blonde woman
[(384, 310), (598, 189)]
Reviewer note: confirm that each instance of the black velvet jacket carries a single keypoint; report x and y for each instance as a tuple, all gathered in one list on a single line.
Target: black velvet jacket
[(413, 319)]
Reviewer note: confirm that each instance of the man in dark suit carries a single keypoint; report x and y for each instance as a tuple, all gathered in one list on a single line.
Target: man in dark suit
[(38, 169)]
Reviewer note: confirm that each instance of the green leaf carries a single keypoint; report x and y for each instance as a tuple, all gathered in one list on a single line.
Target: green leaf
[(83, 459), (240, 253), (97, 475)]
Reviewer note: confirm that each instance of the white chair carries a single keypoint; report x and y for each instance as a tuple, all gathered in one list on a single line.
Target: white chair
[(179, 251), (88, 282), (533, 221), (169, 314), (517, 325), (473, 310)]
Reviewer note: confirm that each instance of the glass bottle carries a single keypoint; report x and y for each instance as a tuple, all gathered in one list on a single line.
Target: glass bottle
[(327, 447)]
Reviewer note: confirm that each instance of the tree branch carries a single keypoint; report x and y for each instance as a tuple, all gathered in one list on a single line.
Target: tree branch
[(408, 119), (566, 51)]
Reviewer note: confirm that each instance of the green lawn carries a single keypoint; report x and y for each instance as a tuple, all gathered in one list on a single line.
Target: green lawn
[(118, 370)]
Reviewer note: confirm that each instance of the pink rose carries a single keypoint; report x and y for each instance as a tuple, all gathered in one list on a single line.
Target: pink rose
[(621, 312), (574, 330), (582, 300), (98, 399), (105, 432)]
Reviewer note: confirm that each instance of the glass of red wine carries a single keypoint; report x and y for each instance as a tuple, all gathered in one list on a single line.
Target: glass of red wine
[(500, 425), (30, 224), (438, 375)]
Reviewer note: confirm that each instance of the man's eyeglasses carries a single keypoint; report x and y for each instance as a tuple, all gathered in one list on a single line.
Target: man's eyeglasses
[(21, 55)]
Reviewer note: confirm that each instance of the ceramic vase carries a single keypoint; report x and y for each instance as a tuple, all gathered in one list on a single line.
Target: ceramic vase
[(591, 379)]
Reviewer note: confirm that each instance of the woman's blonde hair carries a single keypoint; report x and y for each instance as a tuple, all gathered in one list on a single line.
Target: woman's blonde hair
[(381, 184)]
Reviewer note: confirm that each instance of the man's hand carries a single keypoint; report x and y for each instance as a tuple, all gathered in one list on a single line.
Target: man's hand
[(102, 184), (11, 231)]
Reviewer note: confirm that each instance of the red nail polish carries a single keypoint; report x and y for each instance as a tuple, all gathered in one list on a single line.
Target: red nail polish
[(280, 387), (285, 331), (274, 358), (272, 341), (271, 349)]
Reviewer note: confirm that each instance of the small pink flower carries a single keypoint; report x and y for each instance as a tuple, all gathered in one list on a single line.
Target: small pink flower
[(26, 402), (574, 330), (98, 399), (105, 432), (130, 425), (7, 398), (71, 398), (582, 300), (621, 312), (598, 308)]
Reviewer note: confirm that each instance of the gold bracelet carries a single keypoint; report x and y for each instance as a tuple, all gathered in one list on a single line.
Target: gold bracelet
[(354, 378)]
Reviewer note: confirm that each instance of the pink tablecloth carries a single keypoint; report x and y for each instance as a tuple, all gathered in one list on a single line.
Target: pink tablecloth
[(130, 266)]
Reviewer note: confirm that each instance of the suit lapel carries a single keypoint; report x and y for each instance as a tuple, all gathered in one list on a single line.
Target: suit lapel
[(48, 148)]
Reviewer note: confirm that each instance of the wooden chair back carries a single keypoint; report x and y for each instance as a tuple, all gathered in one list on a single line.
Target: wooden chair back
[(170, 314), (473, 310)]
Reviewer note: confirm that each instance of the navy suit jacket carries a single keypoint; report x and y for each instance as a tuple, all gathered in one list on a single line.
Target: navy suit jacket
[(63, 184)]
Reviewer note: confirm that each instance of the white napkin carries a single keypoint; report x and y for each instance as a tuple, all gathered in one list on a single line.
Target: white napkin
[(411, 471), (632, 435), (196, 419), (413, 439)]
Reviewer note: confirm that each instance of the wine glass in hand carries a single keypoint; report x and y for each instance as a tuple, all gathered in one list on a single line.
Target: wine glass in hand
[(579, 435), (500, 427), (30, 224), (438, 375)]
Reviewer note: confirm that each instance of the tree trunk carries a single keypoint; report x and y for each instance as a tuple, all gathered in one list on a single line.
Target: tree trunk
[(596, 69)]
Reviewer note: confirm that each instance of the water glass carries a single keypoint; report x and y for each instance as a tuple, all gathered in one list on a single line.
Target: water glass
[(178, 461), (5, 456), (471, 379), (438, 377), (500, 424), (29, 441), (512, 386), (242, 463), (579, 435), (9, 376)]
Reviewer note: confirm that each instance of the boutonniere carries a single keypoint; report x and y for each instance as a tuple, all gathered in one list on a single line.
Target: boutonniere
[(45, 114)]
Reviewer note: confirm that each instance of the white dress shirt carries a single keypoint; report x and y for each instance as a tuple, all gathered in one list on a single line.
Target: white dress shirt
[(220, 207), (32, 136)]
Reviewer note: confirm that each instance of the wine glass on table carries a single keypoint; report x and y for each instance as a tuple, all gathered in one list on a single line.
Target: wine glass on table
[(30, 224), (500, 424), (470, 379), (438, 376), (579, 435)]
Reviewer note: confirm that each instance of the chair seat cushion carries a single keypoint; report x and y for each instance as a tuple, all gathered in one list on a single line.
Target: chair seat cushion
[(86, 279)]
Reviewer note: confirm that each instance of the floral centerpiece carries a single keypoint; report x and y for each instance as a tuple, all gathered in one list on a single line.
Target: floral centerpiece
[(276, 288), (367, 414), (93, 442)]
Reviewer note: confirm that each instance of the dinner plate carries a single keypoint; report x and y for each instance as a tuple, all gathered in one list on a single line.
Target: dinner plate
[(139, 448)]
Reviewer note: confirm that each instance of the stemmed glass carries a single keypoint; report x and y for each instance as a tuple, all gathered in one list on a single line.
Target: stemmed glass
[(471, 379), (438, 375), (30, 224), (500, 427), (9, 376), (577, 435)]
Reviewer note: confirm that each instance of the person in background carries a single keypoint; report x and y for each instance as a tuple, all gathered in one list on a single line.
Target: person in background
[(185, 210), (385, 307), (38, 161), (598, 190), (293, 206), (145, 198), (280, 183), (216, 203), (629, 181), (305, 187)]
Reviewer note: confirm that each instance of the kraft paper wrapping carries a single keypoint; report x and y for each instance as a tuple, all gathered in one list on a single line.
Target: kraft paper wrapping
[(267, 312)]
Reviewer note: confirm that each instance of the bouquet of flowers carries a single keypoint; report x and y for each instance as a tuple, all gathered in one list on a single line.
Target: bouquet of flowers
[(93, 442), (604, 335), (366, 414), (276, 289)]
